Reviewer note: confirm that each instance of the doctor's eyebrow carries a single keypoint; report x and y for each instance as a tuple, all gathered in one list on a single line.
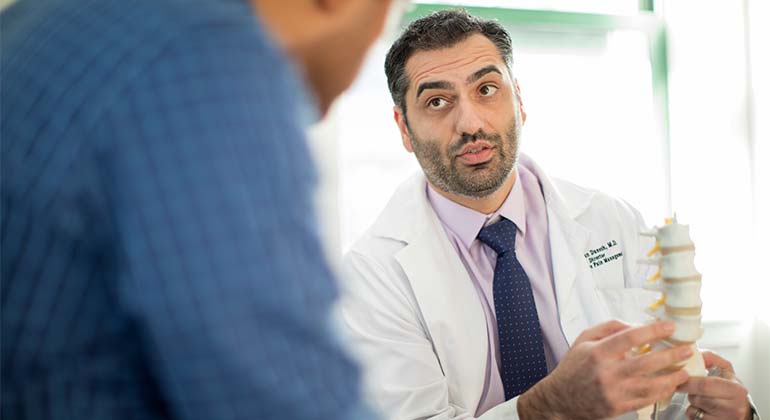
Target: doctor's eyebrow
[(482, 72), (440, 84)]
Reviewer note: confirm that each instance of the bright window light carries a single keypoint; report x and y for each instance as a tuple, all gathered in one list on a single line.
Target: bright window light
[(590, 117)]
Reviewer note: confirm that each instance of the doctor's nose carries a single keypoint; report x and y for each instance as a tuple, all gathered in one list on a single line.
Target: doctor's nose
[(468, 119)]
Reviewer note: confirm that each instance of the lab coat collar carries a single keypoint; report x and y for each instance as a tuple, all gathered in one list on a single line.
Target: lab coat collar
[(565, 202), (569, 199)]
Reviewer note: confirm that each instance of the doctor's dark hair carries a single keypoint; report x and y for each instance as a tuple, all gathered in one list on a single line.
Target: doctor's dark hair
[(441, 29)]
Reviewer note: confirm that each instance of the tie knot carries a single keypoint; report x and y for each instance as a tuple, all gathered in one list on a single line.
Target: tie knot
[(500, 236)]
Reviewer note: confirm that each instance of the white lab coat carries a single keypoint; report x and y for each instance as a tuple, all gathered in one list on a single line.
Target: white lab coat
[(415, 319)]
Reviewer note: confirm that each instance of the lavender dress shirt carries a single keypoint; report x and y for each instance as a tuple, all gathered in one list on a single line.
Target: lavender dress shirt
[(525, 206)]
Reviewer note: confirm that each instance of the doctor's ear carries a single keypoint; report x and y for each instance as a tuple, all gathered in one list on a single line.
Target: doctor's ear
[(521, 102), (400, 117)]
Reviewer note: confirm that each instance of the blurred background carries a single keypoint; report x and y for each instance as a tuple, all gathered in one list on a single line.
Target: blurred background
[(662, 103)]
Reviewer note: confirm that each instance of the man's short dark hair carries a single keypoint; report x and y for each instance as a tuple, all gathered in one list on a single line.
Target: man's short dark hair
[(441, 29)]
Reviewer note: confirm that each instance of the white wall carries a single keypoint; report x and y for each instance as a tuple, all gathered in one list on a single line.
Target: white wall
[(758, 13), (719, 141), (322, 140), (710, 144)]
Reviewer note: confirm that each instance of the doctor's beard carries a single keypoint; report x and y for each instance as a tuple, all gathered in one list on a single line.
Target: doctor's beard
[(444, 170)]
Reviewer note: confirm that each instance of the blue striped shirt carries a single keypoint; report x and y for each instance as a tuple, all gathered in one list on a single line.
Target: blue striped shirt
[(159, 253)]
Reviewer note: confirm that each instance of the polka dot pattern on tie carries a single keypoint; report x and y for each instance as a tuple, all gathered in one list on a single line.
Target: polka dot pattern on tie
[(522, 355)]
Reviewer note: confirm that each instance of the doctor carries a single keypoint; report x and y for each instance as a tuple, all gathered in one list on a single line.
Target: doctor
[(477, 292)]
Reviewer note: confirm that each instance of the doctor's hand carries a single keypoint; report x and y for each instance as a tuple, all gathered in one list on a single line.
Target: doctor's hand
[(596, 379), (717, 397)]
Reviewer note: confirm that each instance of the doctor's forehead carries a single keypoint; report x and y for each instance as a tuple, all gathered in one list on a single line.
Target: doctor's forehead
[(458, 61)]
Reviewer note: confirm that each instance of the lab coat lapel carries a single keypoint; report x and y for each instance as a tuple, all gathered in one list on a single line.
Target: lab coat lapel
[(448, 302), (579, 306), (567, 237)]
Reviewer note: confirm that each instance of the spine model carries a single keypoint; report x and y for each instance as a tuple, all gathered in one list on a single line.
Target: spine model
[(679, 283)]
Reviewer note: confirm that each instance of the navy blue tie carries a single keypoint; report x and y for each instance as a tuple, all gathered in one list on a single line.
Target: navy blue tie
[(522, 355)]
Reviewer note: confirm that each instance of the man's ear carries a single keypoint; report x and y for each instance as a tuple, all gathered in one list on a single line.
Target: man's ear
[(400, 118), (521, 101), (329, 5)]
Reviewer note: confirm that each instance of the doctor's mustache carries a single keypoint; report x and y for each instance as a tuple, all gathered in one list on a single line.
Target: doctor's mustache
[(457, 145)]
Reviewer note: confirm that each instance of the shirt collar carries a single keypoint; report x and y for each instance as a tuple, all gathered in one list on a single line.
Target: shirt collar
[(466, 223)]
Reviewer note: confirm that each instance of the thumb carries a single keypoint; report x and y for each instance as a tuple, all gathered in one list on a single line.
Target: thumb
[(711, 359), (601, 331)]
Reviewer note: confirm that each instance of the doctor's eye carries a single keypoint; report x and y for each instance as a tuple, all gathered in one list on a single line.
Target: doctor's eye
[(437, 103), (487, 90)]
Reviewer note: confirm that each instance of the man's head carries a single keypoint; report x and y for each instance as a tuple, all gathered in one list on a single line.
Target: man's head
[(456, 102), (328, 38)]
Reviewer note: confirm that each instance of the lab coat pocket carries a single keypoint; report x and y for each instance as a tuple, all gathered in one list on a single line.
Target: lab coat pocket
[(627, 304), (606, 268)]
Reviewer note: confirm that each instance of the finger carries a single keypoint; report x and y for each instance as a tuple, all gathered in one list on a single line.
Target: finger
[(655, 361), (692, 412), (712, 359), (602, 330), (714, 387), (622, 341), (711, 405), (656, 388), (721, 413), (635, 404)]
